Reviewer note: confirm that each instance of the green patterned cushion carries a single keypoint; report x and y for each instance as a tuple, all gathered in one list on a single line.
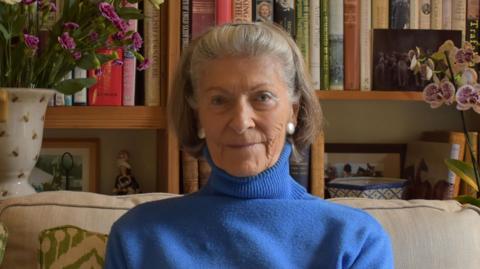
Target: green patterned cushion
[(71, 247), (3, 240)]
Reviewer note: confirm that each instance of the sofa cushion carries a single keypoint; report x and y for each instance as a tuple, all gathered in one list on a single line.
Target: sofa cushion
[(427, 233), (25, 217), (3, 240), (71, 247)]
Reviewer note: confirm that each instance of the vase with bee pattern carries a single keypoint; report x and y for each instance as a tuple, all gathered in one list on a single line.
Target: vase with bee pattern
[(22, 116)]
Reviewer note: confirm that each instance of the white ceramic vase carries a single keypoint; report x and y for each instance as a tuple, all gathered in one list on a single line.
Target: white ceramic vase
[(21, 133)]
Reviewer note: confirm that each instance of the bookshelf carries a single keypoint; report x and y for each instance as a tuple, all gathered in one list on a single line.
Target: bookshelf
[(370, 95)]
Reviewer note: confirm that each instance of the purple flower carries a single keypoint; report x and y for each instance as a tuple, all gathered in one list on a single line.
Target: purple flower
[(31, 41), (460, 57), (468, 96), (93, 36), (120, 24), (98, 72), (77, 55), (137, 41), (108, 11), (143, 65), (437, 94), (53, 7), (119, 36), (468, 54), (67, 41), (71, 25), (27, 2), (118, 62)]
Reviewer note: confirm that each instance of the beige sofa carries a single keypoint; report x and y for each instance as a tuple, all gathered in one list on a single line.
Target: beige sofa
[(425, 234)]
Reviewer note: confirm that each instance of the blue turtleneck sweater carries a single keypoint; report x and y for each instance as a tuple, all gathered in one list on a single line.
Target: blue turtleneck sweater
[(263, 221)]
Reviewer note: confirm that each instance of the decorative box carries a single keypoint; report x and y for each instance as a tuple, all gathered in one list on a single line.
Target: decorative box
[(367, 187)]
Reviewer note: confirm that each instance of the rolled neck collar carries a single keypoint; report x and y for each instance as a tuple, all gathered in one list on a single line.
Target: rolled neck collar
[(273, 183)]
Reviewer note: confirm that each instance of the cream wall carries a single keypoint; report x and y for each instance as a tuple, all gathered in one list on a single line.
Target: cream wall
[(141, 144)]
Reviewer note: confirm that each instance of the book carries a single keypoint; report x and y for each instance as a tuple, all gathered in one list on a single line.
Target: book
[(186, 24), (317, 156), (325, 45), (68, 97), (203, 16), (465, 189), (262, 10), (429, 177), (242, 11), (447, 14), (223, 12), (204, 171), (472, 28), (390, 68), (380, 14), (425, 12), (315, 48), (129, 67), (399, 14), (284, 15), (436, 19), (108, 90), (80, 97), (302, 31), (300, 168), (452, 138), (189, 173), (351, 48), (366, 45), (414, 14), (459, 16), (335, 43), (152, 51)]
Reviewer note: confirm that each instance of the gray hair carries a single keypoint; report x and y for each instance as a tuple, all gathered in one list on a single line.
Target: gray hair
[(245, 40)]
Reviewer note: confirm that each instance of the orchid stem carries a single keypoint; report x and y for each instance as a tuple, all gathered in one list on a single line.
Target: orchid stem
[(465, 130)]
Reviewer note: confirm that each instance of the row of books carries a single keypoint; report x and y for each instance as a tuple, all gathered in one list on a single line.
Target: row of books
[(336, 36), (119, 83), (196, 171)]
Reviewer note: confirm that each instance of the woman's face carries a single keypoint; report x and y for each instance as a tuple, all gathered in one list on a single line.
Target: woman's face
[(244, 107), (264, 11)]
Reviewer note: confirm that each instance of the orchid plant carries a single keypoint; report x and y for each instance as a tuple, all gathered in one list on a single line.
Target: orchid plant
[(37, 52), (454, 79)]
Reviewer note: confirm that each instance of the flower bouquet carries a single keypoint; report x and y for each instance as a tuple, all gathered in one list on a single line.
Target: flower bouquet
[(454, 79), (37, 53)]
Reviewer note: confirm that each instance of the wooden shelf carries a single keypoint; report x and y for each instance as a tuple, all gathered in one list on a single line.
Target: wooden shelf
[(91, 117), (370, 95)]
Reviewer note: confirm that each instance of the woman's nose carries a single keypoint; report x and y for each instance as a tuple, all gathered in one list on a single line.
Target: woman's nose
[(242, 117)]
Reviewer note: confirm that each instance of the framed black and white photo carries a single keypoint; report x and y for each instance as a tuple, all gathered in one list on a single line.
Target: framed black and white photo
[(67, 164), (363, 160)]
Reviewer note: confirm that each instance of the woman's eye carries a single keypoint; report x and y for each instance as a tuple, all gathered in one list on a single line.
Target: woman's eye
[(218, 100), (264, 97)]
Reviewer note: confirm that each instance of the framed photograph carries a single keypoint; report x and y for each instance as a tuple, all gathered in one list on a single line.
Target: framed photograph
[(390, 60), (363, 160), (67, 164)]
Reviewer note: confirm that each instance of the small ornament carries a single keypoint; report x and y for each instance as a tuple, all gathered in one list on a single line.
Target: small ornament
[(125, 182)]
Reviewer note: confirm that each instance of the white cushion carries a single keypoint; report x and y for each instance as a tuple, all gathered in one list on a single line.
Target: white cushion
[(427, 233), (25, 217)]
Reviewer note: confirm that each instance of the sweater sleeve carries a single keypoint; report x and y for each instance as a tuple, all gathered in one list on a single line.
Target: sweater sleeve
[(376, 251), (114, 257)]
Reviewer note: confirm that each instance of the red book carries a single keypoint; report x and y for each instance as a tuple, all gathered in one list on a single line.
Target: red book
[(203, 16), (351, 55), (109, 87), (224, 11)]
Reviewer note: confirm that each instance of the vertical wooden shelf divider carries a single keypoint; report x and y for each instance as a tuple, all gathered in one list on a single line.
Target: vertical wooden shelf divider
[(168, 159), (317, 155)]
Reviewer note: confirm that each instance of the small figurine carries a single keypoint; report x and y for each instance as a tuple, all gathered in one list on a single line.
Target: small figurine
[(125, 182)]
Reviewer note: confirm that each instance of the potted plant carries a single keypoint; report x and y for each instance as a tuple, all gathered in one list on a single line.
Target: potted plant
[(36, 52)]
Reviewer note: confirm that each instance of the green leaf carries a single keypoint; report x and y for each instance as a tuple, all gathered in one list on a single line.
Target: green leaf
[(156, 3), (18, 25), (463, 170), (465, 199), (4, 32), (438, 56), (89, 61), (71, 86), (129, 11), (106, 57)]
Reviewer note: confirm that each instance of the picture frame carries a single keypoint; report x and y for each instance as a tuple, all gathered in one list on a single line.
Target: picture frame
[(371, 160), (67, 164)]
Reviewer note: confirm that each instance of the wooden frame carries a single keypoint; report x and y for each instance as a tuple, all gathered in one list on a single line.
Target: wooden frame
[(83, 176), (383, 160)]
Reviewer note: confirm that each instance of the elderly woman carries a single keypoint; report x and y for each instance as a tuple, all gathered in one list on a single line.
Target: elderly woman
[(242, 98)]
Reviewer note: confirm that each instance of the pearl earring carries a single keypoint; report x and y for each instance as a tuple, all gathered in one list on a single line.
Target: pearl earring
[(290, 128), (201, 133)]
